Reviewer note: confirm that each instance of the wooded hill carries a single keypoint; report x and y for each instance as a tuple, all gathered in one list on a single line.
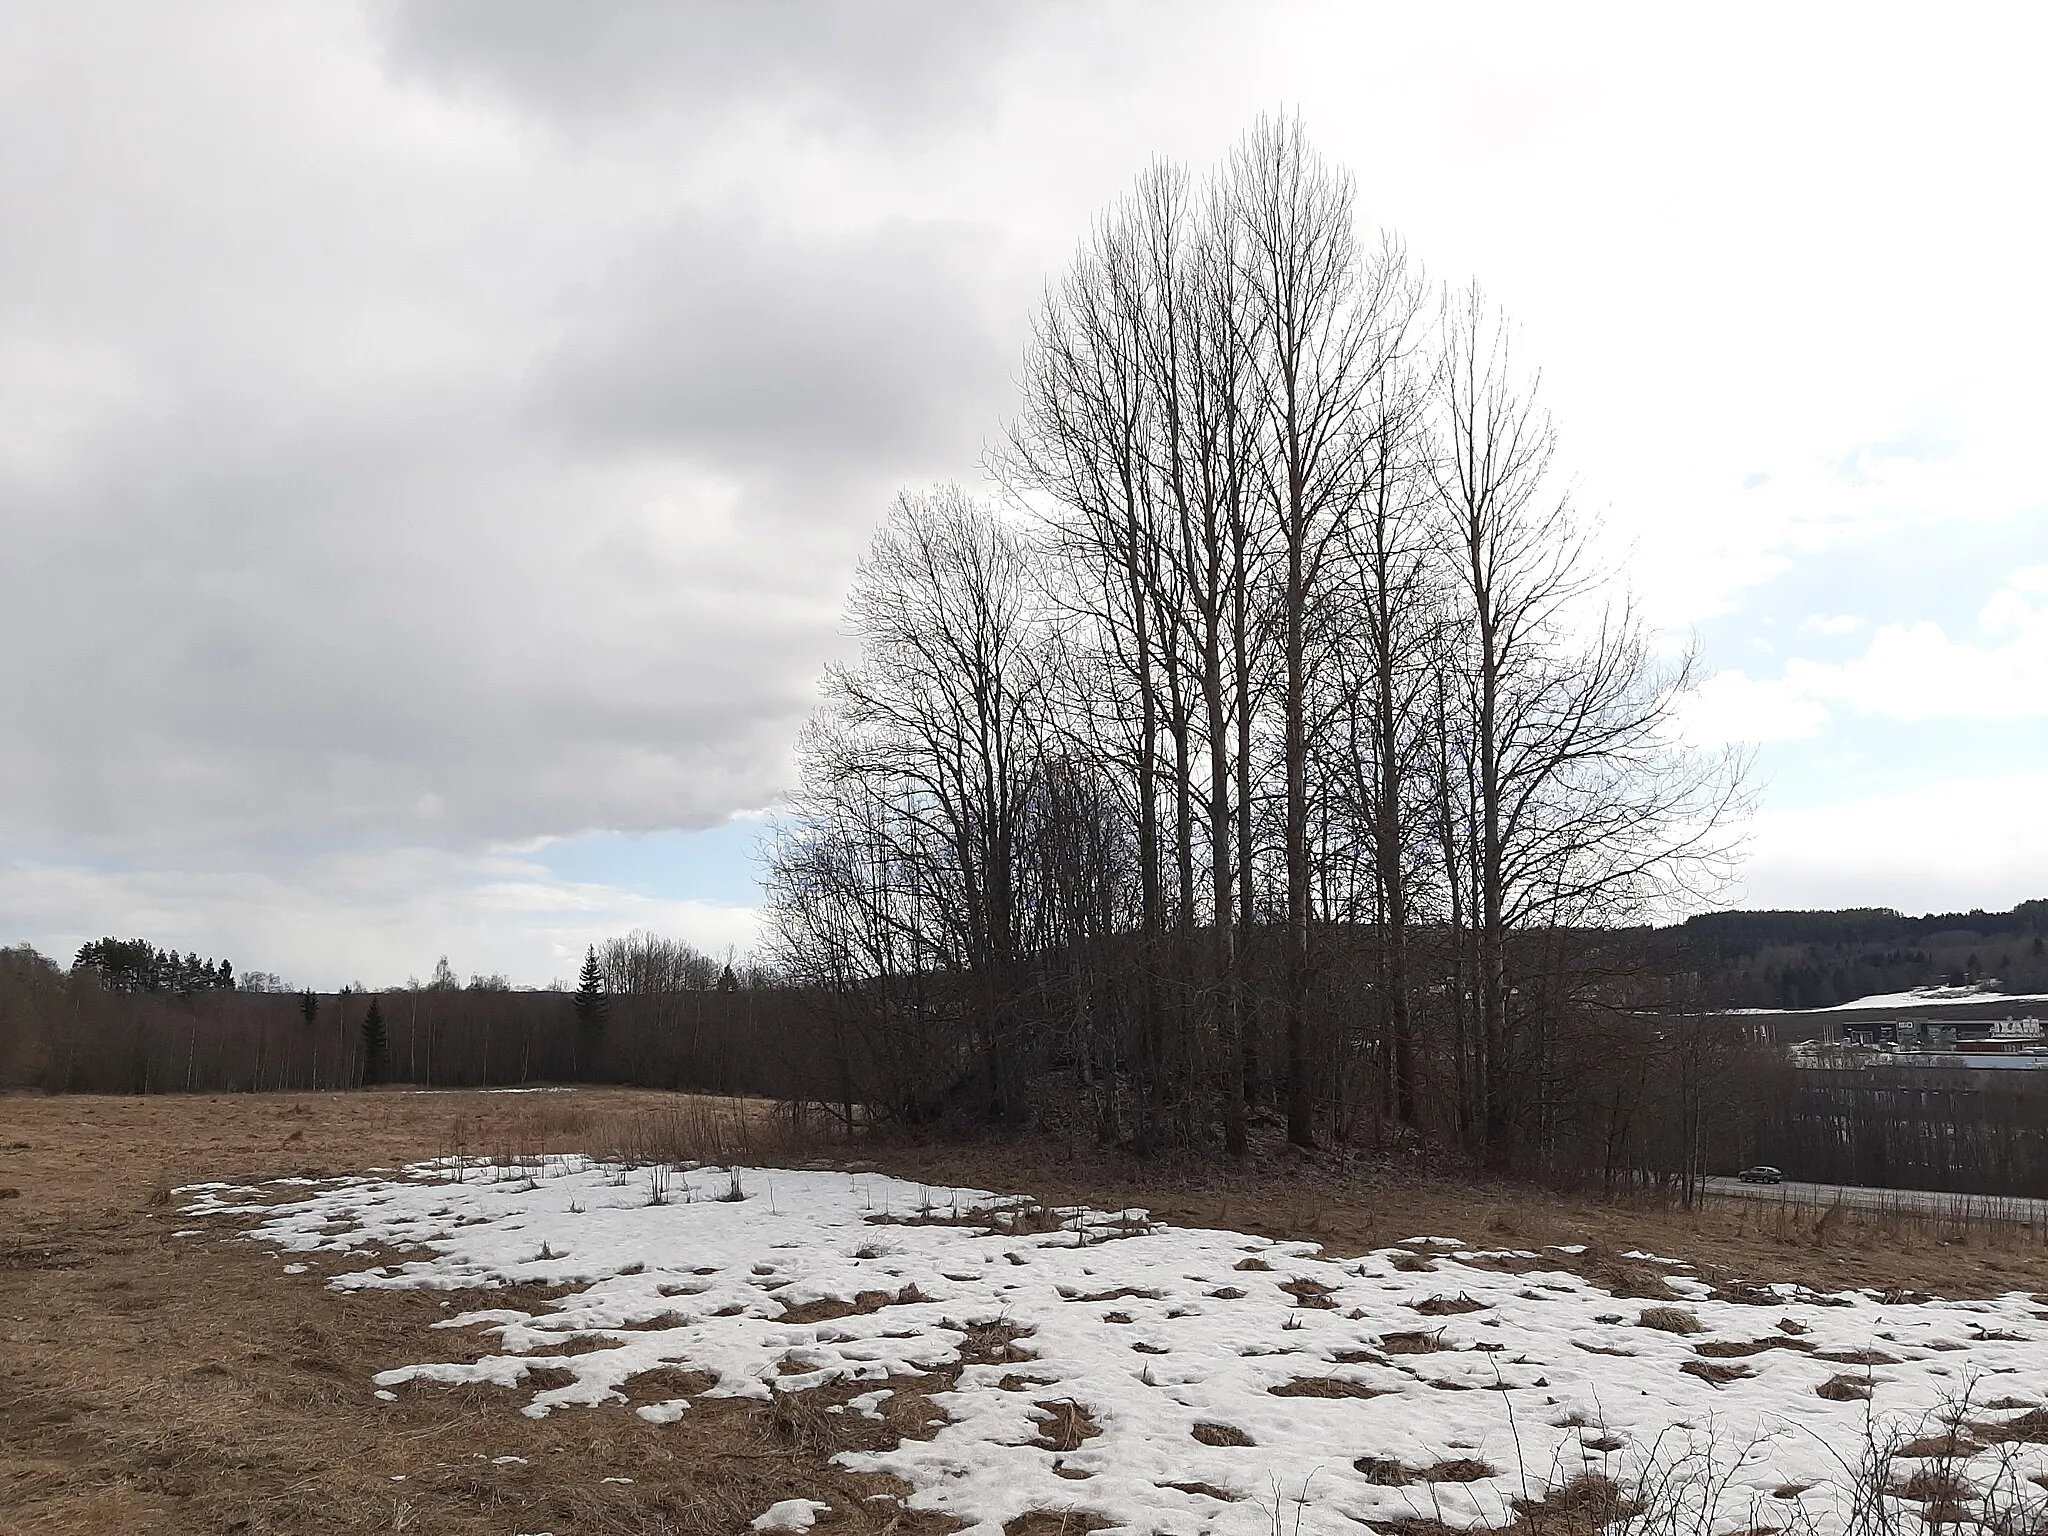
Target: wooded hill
[(1819, 959)]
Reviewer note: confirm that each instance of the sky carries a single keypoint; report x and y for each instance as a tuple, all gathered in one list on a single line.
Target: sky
[(436, 438)]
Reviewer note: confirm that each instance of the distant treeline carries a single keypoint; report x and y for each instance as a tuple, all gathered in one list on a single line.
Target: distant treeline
[(1819, 959), (1744, 933), (1973, 1132), (1644, 1096), (666, 1023)]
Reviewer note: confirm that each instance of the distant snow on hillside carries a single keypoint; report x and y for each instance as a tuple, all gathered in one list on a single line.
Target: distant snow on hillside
[(1919, 997)]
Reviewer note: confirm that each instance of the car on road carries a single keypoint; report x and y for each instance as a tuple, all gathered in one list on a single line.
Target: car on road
[(1762, 1173)]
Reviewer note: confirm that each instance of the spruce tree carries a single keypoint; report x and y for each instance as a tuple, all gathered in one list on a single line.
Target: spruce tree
[(592, 1000), (373, 1045), (309, 1005)]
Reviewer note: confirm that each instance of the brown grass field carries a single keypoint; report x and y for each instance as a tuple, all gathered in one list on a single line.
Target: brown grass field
[(153, 1385)]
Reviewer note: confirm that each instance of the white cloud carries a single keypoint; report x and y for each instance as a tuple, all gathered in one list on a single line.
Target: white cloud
[(1918, 672), (1735, 707), (1831, 623), (372, 918), (1978, 842), (1914, 672)]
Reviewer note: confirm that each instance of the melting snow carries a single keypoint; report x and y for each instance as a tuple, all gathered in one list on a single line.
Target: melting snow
[(790, 1515), (1224, 1377)]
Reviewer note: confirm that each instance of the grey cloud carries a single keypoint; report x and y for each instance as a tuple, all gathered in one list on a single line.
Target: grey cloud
[(758, 351), (356, 495), (888, 65), (385, 664), (384, 483)]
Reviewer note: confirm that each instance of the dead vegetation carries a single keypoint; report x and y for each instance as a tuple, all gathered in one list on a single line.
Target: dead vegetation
[(1390, 1473), (1325, 1386), (1055, 1522), (1735, 1349), (1669, 1320), (1715, 1374), (2030, 1428), (1413, 1342), (1063, 1425), (1447, 1306), (1581, 1506), (160, 1385)]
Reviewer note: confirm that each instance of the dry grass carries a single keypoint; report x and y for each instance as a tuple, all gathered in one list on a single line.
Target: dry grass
[(1413, 1342), (1352, 1204), (1734, 1349), (1715, 1374), (1055, 1522), (2028, 1429), (1063, 1424), (1325, 1386), (155, 1385), (1583, 1506), (159, 1385), (1446, 1306), (1390, 1473), (1669, 1320)]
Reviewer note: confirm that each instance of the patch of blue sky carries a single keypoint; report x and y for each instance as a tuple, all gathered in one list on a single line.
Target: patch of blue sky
[(1943, 574), (1858, 756), (718, 864)]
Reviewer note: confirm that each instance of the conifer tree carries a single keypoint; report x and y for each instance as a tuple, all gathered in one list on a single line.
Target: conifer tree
[(374, 1045), (309, 1006), (593, 1000)]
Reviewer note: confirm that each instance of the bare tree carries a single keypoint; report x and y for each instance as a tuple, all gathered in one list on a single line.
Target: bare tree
[(928, 746), (1330, 321), (1587, 806), (1288, 640)]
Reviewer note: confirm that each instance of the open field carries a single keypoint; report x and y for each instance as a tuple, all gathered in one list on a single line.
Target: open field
[(161, 1383)]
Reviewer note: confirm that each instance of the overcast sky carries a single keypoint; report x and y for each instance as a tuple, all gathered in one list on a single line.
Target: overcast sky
[(435, 438)]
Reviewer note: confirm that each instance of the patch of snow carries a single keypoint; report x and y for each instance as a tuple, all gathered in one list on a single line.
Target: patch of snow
[(868, 1404), (790, 1515), (1919, 997), (551, 1089), (1153, 1332)]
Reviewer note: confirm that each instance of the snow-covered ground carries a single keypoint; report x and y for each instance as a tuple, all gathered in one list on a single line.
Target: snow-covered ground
[(1259, 1376)]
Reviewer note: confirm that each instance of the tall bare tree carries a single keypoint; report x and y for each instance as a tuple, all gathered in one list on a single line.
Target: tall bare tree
[(1329, 321), (1587, 805), (928, 745)]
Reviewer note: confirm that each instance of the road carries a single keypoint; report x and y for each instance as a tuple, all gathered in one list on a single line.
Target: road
[(1917, 1201)]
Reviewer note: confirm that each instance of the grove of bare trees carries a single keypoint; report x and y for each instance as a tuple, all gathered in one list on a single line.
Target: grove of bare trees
[(1271, 743)]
